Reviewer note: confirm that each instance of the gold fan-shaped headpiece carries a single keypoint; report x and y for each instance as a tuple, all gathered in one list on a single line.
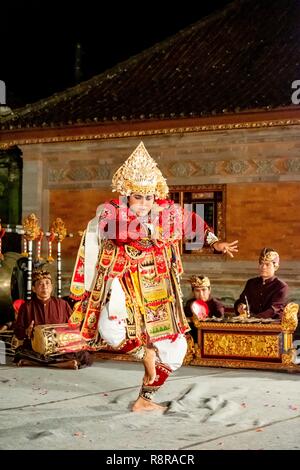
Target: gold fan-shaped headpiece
[(199, 281), (268, 254), (140, 174), (37, 275)]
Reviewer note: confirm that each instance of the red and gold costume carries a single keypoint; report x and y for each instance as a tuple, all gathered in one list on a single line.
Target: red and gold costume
[(142, 254)]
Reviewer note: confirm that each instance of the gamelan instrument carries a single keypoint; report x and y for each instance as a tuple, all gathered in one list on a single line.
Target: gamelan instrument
[(54, 339)]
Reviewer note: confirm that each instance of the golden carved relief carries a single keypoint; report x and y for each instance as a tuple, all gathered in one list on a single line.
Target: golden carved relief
[(289, 320), (243, 364), (31, 227), (190, 350), (288, 358), (239, 345), (58, 227), (235, 326)]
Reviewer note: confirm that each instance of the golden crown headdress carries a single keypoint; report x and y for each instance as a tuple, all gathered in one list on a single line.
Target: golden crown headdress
[(268, 254), (201, 281), (140, 174)]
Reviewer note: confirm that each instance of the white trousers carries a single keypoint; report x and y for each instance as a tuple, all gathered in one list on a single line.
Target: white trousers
[(113, 331)]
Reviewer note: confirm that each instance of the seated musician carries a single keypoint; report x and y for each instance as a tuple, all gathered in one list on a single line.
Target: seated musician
[(264, 296), (202, 292), (43, 309)]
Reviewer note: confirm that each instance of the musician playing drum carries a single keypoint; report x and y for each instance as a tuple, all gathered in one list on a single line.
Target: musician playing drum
[(44, 309)]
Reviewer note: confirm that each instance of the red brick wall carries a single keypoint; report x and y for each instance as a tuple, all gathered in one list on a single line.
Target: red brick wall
[(264, 214), (75, 208), (257, 214)]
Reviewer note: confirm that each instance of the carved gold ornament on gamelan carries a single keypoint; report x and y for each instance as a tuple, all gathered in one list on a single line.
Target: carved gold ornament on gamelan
[(31, 227), (241, 345), (190, 350), (58, 227), (289, 320)]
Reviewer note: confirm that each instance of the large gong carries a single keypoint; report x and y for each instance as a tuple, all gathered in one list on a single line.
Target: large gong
[(6, 269)]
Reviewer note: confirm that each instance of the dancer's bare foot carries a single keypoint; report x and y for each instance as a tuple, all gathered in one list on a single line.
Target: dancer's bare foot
[(72, 364), (145, 405), (149, 365), (26, 362)]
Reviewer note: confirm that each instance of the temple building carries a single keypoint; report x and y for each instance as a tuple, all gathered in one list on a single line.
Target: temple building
[(217, 107)]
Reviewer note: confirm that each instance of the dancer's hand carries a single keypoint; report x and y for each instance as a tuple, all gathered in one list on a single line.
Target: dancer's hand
[(227, 248)]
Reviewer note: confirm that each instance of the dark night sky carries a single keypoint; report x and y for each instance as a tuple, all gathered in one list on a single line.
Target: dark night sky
[(38, 38)]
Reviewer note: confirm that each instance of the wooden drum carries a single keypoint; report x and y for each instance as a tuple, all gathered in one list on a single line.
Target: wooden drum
[(54, 339)]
